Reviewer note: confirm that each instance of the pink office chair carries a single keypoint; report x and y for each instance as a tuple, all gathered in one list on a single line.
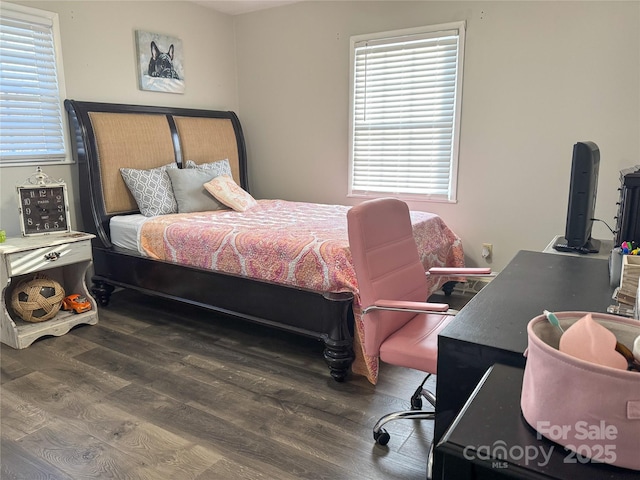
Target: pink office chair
[(398, 325)]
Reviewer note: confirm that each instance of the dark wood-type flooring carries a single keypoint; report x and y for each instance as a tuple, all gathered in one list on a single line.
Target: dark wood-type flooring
[(161, 391)]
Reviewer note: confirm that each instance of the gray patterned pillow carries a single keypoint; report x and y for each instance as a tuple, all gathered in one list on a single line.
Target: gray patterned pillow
[(151, 189), (221, 167)]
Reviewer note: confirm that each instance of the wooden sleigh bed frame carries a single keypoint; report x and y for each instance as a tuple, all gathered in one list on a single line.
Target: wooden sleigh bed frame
[(108, 136)]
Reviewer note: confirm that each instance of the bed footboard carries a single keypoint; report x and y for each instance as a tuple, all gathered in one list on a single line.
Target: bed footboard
[(327, 317)]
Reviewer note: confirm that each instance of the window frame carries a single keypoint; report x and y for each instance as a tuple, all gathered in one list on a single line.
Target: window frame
[(460, 26), (12, 10)]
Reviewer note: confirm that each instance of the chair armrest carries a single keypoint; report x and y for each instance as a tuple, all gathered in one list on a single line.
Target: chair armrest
[(461, 271), (406, 306)]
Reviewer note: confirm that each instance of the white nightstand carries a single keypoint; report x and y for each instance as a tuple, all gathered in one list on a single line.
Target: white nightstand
[(64, 257)]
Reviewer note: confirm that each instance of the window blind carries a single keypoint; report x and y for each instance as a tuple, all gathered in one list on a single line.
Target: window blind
[(404, 113), (31, 126)]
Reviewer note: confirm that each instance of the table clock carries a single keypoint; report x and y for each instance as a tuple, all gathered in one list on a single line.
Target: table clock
[(43, 205)]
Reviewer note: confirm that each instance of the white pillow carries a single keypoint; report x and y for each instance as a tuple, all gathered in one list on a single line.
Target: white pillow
[(151, 189), (187, 184), (225, 190), (221, 167)]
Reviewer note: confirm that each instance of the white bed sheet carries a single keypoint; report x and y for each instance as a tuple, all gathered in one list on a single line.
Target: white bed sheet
[(125, 231)]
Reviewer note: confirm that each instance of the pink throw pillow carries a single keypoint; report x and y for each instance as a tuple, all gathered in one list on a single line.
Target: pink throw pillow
[(226, 191)]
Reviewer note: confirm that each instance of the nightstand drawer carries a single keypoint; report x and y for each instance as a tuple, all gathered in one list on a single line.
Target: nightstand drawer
[(28, 261)]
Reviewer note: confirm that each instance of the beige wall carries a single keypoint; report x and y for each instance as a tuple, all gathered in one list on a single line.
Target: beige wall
[(538, 76), (98, 48)]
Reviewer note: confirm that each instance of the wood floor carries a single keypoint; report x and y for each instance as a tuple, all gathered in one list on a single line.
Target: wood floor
[(160, 391)]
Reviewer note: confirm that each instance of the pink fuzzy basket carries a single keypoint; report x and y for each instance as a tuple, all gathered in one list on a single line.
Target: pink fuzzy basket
[(589, 409)]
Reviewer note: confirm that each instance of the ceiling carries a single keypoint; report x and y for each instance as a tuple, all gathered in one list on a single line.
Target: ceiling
[(236, 7)]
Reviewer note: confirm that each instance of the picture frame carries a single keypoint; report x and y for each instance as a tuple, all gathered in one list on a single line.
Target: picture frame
[(160, 62), (43, 205)]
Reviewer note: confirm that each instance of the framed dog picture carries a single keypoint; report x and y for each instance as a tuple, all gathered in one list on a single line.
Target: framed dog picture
[(160, 66)]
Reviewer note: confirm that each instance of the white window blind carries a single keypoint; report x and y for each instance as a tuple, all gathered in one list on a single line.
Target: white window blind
[(405, 112), (31, 115)]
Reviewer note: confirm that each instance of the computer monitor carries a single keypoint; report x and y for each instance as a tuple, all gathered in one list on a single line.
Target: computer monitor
[(583, 186)]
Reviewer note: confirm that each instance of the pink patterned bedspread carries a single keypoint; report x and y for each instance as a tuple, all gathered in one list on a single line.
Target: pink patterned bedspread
[(292, 243)]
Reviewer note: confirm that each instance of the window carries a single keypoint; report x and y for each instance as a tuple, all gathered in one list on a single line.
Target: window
[(32, 124), (405, 112)]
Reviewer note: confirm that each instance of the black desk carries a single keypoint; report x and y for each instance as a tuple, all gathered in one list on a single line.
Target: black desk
[(470, 449), (492, 327)]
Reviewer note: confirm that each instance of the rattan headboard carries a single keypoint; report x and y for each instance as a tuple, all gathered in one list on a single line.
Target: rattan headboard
[(107, 137)]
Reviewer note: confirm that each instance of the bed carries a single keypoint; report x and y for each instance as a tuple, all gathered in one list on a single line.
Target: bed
[(281, 264)]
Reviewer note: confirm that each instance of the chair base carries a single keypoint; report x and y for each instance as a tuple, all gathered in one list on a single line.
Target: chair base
[(382, 437), (430, 462), (420, 393)]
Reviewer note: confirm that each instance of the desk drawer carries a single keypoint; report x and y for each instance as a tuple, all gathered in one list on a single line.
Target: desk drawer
[(29, 261)]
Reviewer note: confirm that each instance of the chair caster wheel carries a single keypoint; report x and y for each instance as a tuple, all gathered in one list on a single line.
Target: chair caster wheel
[(382, 437)]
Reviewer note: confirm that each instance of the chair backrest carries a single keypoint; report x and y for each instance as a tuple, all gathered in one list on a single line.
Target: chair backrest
[(387, 264)]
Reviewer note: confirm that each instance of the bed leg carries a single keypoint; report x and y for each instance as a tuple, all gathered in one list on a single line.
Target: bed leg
[(101, 291), (448, 287), (338, 341), (339, 356)]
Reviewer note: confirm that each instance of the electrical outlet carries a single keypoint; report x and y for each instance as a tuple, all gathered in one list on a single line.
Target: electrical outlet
[(487, 250)]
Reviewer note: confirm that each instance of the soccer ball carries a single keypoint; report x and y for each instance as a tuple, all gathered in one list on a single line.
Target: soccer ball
[(38, 299)]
